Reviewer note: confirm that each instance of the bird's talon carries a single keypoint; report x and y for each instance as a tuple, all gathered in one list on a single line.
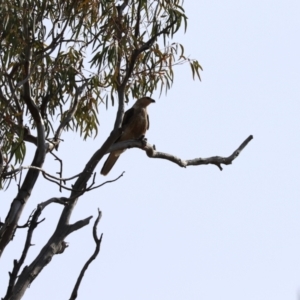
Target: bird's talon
[(144, 142)]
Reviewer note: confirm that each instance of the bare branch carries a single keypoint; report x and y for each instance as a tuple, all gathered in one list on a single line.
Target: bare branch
[(55, 245), (40, 169), (48, 176), (30, 139), (95, 254), (33, 222), (108, 181), (152, 153), (94, 160), (60, 200), (61, 186), (61, 168), (27, 224), (79, 224)]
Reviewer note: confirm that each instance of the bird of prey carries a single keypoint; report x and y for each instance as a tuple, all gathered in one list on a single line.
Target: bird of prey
[(134, 126)]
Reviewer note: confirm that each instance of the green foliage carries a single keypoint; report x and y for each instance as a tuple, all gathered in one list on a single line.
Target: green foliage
[(50, 48)]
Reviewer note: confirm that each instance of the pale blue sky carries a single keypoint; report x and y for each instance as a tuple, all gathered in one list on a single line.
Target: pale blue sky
[(195, 233)]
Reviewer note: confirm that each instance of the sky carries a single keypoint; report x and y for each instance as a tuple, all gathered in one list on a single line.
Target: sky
[(195, 233)]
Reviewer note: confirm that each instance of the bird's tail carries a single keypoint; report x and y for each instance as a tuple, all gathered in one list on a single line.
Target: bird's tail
[(109, 163)]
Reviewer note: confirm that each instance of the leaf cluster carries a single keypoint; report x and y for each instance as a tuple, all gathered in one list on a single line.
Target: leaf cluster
[(50, 49)]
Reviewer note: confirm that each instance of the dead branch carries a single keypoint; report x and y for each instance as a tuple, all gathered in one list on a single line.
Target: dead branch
[(78, 225), (152, 153), (6, 174), (61, 169), (33, 223), (93, 257), (55, 245), (108, 181)]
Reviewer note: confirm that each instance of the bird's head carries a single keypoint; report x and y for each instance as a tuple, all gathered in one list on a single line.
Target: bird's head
[(144, 101)]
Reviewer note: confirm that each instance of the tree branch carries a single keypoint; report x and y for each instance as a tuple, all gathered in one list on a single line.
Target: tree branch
[(147, 45), (152, 153), (138, 20), (79, 224), (93, 257), (40, 169), (33, 224), (55, 245), (61, 169), (17, 206), (69, 116), (81, 182), (108, 181), (1, 162), (121, 87)]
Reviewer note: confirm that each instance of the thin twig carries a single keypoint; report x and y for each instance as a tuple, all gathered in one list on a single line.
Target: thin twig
[(109, 181), (39, 169), (61, 169)]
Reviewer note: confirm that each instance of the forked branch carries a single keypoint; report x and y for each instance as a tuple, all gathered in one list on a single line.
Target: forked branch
[(32, 224)]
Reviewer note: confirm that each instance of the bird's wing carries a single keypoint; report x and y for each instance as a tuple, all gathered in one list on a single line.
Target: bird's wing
[(127, 117), (129, 114), (148, 125)]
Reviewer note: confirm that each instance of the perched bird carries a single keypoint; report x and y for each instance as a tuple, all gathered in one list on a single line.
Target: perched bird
[(134, 126)]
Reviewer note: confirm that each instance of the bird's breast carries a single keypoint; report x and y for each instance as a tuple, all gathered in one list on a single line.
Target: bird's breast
[(138, 125)]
